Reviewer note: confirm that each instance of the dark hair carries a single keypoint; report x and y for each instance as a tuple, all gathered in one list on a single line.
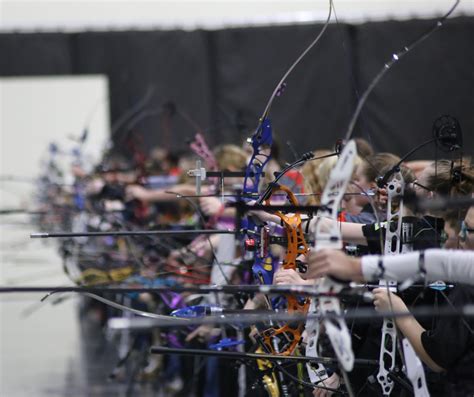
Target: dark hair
[(373, 166), (173, 158), (276, 150)]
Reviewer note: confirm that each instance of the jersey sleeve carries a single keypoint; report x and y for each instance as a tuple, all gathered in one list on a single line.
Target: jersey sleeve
[(451, 338), (374, 233)]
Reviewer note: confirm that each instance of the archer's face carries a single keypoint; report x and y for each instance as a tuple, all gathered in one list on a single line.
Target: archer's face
[(420, 185), (365, 184), (452, 234), (466, 235)]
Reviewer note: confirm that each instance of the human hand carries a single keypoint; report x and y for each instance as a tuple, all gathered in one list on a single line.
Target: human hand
[(262, 215), (333, 382), (211, 206), (136, 192), (383, 302), (94, 186), (382, 196), (333, 263), (287, 277), (203, 333)]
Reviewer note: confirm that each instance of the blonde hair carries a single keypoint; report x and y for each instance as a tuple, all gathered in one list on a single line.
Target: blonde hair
[(311, 176), (328, 164), (316, 173), (230, 157)]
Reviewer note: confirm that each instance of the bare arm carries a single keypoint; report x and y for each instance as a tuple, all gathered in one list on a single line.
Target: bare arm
[(158, 195), (351, 232), (417, 166), (412, 330), (407, 325)]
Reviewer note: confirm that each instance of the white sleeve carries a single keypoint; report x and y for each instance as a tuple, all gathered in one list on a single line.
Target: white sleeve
[(447, 265)]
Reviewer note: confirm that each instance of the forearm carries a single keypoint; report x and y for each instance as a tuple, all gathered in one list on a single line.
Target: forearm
[(354, 269), (169, 194), (417, 166), (310, 281), (229, 212), (351, 232), (449, 265), (265, 216), (413, 330)]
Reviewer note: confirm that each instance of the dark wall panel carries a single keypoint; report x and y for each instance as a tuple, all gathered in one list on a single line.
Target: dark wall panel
[(34, 54), (435, 78), (318, 98), (173, 64), (222, 79)]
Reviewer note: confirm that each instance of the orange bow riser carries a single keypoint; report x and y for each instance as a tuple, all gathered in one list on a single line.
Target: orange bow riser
[(296, 246)]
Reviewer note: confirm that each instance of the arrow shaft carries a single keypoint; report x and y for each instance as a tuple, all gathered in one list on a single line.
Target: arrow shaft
[(132, 233)]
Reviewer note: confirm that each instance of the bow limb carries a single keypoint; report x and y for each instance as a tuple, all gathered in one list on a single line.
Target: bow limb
[(388, 65), (200, 147), (388, 343), (336, 330), (261, 143), (263, 134), (262, 139), (281, 83), (414, 369), (393, 246)]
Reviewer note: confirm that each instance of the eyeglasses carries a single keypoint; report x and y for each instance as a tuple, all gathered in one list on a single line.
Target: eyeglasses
[(415, 184), (465, 230)]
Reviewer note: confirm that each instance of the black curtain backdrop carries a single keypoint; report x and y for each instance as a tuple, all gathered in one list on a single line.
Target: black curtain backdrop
[(173, 65), (316, 104), (436, 78), (222, 80)]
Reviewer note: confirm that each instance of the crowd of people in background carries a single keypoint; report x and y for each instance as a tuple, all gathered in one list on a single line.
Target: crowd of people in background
[(157, 193)]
